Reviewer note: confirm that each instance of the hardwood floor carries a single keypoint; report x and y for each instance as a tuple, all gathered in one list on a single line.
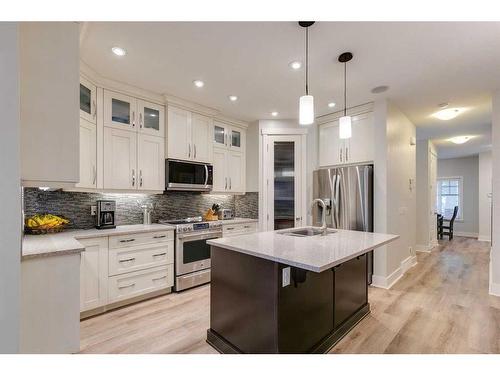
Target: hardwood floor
[(441, 305)]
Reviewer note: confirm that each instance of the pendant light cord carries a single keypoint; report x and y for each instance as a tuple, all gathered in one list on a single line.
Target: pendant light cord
[(307, 60), (345, 88)]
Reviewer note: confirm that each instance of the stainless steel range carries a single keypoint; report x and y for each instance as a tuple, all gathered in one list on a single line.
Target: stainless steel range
[(192, 254)]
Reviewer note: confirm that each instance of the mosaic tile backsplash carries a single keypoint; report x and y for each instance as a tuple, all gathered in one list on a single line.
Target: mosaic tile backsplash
[(170, 205)]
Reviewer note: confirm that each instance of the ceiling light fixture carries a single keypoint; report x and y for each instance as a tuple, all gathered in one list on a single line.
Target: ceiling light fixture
[(460, 140), (306, 102), (118, 51), (295, 65), (331, 104), (274, 114), (199, 83), (345, 121), (448, 113), (233, 98)]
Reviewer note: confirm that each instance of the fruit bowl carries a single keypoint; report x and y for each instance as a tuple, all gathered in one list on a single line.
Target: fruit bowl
[(45, 223)]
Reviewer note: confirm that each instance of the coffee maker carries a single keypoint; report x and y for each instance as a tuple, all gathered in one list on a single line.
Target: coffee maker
[(105, 215)]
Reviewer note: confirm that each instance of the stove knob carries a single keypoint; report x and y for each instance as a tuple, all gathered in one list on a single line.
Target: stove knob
[(185, 229)]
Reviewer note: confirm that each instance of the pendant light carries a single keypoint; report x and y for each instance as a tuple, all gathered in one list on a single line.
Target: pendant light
[(306, 102), (345, 121)]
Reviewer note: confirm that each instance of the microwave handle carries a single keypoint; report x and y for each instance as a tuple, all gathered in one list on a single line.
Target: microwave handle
[(206, 174)]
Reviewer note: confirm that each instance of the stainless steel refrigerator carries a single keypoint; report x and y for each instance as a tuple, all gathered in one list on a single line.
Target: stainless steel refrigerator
[(348, 195)]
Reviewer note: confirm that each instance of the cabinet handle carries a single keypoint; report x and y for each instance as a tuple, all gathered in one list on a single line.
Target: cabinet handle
[(140, 177), (230, 228), (95, 109), (159, 278), (226, 183), (194, 146), (341, 155), (247, 226), (159, 255), (129, 240), (225, 136), (126, 260), (133, 119), (133, 177), (231, 140), (140, 120), (346, 153), (189, 153), (162, 236), (230, 184), (126, 286)]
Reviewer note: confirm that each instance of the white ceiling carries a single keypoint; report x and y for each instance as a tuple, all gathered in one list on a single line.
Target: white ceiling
[(424, 64)]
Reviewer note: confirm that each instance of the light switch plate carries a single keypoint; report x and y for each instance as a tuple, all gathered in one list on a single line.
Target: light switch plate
[(286, 277)]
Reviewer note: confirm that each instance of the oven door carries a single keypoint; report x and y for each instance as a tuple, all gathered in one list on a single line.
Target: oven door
[(188, 176), (193, 252)]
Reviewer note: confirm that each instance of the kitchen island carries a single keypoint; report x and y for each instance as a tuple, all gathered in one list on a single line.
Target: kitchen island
[(288, 291)]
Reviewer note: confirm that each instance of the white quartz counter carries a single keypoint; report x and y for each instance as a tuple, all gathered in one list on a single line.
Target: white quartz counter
[(315, 253), (67, 242)]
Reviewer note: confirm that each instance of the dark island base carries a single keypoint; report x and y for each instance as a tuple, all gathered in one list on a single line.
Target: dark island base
[(260, 306), (225, 347)]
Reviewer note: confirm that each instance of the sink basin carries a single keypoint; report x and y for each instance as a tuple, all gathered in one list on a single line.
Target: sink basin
[(307, 232)]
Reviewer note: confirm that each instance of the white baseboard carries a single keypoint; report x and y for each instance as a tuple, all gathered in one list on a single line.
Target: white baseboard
[(387, 282), (484, 238), (423, 248), (464, 234), (494, 289)]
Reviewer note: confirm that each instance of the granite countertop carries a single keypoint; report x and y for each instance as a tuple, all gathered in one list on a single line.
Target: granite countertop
[(67, 242), (315, 253)]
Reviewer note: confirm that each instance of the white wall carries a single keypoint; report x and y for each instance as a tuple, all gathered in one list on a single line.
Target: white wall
[(468, 168), (252, 157), (495, 159), (10, 197), (484, 203)]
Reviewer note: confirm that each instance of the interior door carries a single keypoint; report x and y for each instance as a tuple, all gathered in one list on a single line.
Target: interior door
[(201, 129), (88, 155), (119, 111), (179, 134), (150, 162), (285, 195), (151, 118), (120, 159)]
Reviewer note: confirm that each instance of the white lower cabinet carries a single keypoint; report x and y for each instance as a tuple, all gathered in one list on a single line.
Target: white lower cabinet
[(231, 230), (94, 273), (116, 268), (229, 171)]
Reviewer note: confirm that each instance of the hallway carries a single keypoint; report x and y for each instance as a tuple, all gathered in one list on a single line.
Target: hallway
[(441, 305)]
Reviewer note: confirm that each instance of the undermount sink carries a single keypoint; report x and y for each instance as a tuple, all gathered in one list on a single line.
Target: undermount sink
[(307, 232)]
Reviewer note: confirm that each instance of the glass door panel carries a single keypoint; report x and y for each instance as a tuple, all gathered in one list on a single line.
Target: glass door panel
[(219, 133), (151, 119), (235, 138), (284, 185), (120, 111), (85, 99)]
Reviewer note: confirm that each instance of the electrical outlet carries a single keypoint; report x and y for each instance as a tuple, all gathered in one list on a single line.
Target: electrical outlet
[(286, 277), (93, 210)]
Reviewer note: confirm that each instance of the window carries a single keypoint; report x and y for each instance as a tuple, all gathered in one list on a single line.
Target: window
[(449, 195)]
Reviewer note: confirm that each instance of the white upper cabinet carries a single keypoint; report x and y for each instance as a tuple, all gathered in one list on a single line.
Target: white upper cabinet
[(358, 149), (119, 110), (88, 101), (188, 136), (151, 118), (227, 136), (88, 155), (150, 163), (236, 172), (201, 130), (120, 159), (220, 182)]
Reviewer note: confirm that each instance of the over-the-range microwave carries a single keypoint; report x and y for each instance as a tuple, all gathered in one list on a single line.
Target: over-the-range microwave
[(188, 176)]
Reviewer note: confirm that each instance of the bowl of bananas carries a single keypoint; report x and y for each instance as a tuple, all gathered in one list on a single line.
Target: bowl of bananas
[(45, 223)]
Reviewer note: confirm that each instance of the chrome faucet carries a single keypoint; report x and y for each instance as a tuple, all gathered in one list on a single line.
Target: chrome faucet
[(323, 214)]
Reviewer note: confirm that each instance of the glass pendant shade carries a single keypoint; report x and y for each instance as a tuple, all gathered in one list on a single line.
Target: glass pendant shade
[(306, 110), (345, 127)]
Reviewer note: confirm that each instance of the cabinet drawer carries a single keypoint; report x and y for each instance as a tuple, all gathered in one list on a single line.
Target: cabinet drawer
[(141, 282), (127, 240), (128, 259), (238, 229)]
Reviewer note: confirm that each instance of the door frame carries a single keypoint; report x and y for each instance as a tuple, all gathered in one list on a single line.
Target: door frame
[(265, 159)]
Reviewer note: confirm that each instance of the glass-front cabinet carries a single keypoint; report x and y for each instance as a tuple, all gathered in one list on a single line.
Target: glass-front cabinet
[(119, 111), (228, 136), (88, 103), (151, 118)]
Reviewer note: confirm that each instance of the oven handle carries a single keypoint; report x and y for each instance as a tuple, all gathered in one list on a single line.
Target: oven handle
[(206, 175), (195, 237)]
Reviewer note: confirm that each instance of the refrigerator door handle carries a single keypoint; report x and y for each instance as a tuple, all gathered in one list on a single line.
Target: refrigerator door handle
[(362, 196)]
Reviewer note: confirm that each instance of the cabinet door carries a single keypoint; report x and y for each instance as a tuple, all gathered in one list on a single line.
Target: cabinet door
[(120, 159), (236, 139), (201, 130), (179, 134), (220, 183), (360, 146), (88, 103), (151, 118), (220, 134), (151, 162), (235, 172), (330, 146), (120, 111), (94, 273), (88, 155)]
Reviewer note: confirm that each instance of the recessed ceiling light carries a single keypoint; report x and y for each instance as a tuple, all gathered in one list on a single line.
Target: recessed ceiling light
[(118, 51), (295, 65), (198, 83), (331, 104), (460, 140), (233, 98), (448, 113), (379, 89), (274, 113)]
